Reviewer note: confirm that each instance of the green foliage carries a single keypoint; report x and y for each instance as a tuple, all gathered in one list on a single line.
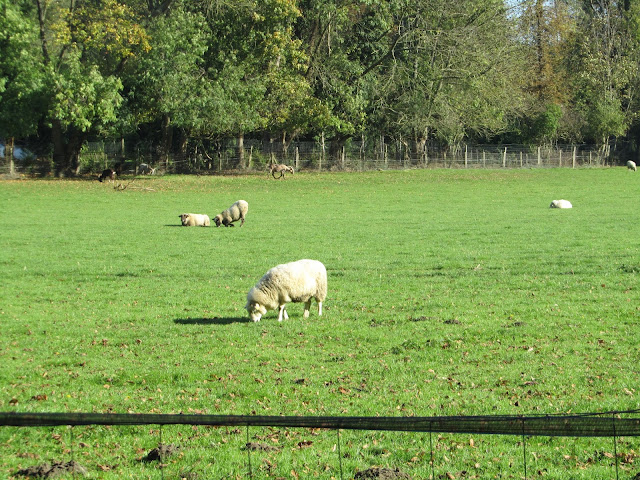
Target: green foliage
[(84, 100), (450, 293), (22, 83), (413, 70), (607, 119), (546, 124)]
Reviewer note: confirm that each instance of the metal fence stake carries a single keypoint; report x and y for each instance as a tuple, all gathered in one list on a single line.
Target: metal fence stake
[(249, 454), (433, 476), (339, 454), (524, 451), (615, 442)]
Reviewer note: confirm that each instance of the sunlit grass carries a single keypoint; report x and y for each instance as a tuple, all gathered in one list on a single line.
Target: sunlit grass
[(450, 293)]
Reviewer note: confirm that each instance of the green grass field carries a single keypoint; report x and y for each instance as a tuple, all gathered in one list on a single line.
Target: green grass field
[(451, 292)]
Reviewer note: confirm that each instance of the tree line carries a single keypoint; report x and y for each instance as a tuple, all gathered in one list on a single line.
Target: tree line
[(179, 72)]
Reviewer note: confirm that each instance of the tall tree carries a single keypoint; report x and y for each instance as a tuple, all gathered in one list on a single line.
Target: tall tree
[(83, 48), (448, 71), (23, 84), (546, 28), (606, 59)]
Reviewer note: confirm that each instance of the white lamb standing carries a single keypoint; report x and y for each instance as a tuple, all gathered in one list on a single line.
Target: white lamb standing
[(195, 220), (631, 165), (299, 281), (235, 212), (561, 204)]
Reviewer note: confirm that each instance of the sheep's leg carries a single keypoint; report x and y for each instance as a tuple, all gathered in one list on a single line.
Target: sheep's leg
[(241, 221), (307, 307), (282, 313), (319, 309)]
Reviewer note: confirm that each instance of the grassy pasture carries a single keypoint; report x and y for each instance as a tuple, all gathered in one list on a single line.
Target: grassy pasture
[(451, 292)]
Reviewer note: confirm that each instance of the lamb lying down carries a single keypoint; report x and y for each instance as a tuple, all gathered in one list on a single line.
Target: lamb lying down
[(560, 204), (299, 281), (194, 220)]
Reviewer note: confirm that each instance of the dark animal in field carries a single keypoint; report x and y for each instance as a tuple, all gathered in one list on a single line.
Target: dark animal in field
[(107, 174), (280, 168), (145, 169)]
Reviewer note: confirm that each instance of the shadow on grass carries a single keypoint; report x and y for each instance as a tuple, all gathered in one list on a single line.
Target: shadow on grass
[(211, 321)]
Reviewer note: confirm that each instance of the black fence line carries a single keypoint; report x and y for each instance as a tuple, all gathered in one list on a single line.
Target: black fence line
[(607, 424), (225, 156)]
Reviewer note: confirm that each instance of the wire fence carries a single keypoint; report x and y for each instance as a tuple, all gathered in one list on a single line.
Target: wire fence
[(611, 425), (252, 155)]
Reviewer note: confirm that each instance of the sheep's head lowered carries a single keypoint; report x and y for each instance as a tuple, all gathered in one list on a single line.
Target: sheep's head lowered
[(255, 310)]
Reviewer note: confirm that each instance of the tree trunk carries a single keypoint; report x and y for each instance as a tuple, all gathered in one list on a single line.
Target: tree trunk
[(166, 142), (241, 163), (8, 152), (66, 150), (336, 150)]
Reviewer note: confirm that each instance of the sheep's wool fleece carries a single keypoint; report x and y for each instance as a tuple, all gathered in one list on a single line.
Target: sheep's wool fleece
[(291, 282), (561, 204), (195, 220), (235, 212)]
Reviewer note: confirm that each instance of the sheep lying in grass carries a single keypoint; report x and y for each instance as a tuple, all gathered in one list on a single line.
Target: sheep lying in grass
[(631, 165), (561, 204), (296, 282), (280, 168), (195, 220), (107, 173), (235, 212)]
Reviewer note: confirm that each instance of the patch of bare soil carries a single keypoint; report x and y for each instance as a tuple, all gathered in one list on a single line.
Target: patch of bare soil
[(161, 453), (382, 473), (52, 470)]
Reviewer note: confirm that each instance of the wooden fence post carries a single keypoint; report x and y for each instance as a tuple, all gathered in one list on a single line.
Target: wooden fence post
[(574, 156), (504, 158), (539, 157), (322, 152)]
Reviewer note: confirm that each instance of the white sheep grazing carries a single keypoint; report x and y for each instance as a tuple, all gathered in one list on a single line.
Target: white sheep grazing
[(295, 282), (631, 165), (194, 220), (561, 204), (235, 212)]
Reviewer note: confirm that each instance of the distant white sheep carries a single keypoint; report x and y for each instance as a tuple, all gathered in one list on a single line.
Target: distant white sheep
[(235, 212), (561, 204), (195, 220), (280, 168), (299, 281), (631, 165)]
